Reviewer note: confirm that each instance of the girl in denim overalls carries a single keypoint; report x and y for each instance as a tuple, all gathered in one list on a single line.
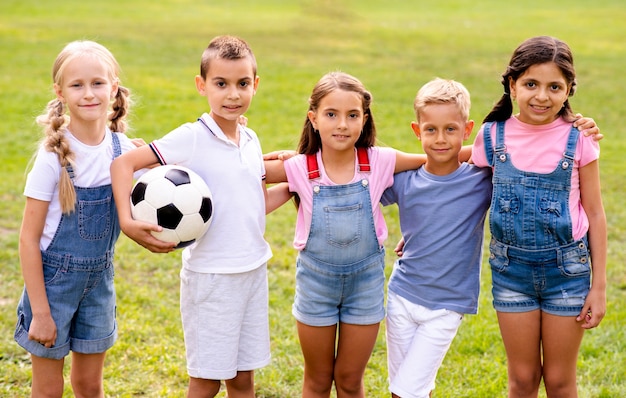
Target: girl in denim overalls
[(546, 219), (339, 178), (70, 224)]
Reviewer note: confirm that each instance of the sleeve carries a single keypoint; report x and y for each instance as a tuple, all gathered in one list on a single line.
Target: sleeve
[(43, 178), (295, 169), (390, 195), (587, 150), (479, 157), (175, 147), (125, 142)]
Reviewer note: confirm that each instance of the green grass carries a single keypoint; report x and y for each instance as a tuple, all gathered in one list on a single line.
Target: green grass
[(393, 47)]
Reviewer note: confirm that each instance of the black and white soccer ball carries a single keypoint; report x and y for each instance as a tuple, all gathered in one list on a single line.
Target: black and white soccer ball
[(175, 198)]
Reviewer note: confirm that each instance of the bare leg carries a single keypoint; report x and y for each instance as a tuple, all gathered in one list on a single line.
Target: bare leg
[(356, 343), (318, 349), (47, 377), (87, 375), (561, 338), (521, 337), (242, 386), (203, 388)]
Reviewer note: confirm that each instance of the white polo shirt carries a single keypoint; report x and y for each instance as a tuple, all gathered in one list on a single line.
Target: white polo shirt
[(235, 175)]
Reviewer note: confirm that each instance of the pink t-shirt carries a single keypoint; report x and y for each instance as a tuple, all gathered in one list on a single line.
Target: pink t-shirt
[(538, 149), (383, 163)]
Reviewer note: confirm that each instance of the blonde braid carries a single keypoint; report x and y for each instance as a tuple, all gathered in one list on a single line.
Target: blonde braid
[(120, 108), (54, 121)]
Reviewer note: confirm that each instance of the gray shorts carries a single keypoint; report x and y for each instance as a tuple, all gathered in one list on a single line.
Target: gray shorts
[(225, 322)]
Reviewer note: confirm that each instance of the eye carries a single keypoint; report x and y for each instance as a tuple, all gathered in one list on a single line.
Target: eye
[(244, 84), (354, 115), (531, 85), (330, 114), (451, 129), (555, 87), (220, 84)]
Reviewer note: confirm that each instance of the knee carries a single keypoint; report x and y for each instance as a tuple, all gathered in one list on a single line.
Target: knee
[(560, 386), (349, 383), (526, 384), (319, 383), (85, 388)]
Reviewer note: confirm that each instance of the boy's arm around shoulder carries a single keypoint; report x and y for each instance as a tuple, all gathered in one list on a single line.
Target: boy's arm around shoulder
[(277, 195), (408, 161), (122, 170)]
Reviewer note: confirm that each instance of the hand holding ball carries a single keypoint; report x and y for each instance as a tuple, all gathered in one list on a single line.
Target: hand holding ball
[(175, 198)]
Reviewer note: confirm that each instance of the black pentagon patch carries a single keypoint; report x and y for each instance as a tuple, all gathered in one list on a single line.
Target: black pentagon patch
[(139, 193), (169, 216), (184, 244), (178, 177), (206, 209)]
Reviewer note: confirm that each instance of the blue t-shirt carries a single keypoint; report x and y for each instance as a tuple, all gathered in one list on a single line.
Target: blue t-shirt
[(442, 219)]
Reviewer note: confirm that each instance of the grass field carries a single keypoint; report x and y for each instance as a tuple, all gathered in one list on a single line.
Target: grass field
[(393, 47)]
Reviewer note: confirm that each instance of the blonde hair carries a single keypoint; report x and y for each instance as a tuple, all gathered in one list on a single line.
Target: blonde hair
[(55, 120), (442, 91)]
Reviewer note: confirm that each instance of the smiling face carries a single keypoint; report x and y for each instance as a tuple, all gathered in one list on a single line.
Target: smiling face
[(442, 129), (540, 93), (228, 86), (87, 89), (339, 118)]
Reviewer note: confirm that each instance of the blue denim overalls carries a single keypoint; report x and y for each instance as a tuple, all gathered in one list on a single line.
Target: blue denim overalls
[(531, 224), (340, 273), (78, 273)]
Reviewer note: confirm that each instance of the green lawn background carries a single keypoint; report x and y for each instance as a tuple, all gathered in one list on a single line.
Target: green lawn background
[(394, 47)]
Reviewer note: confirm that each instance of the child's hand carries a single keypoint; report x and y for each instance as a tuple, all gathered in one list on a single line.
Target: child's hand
[(43, 330), (594, 309), (587, 126), (138, 142), (279, 155), (243, 120), (140, 232), (399, 247)]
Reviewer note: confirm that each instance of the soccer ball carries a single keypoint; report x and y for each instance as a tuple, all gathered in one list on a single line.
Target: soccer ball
[(175, 198)]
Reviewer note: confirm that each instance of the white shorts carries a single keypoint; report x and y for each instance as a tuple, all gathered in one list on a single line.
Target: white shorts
[(225, 322), (417, 341)]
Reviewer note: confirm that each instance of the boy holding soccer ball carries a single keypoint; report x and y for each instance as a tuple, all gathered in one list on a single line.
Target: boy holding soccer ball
[(224, 291)]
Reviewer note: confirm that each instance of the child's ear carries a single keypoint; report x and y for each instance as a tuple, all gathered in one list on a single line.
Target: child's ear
[(114, 88), (311, 115), (200, 85), (416, 129), (469, 126), (512, 88), (256, 83), (59, 93)]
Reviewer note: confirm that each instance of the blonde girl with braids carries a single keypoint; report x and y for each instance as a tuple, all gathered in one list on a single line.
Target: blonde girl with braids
[(70, 224)]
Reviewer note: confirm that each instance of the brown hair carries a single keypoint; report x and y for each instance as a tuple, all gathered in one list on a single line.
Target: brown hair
[(310, 140), (226, 47), (534, 51)]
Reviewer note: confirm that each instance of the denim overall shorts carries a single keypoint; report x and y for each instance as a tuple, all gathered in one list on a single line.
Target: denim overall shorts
[(535, 262), (340, 273), (78, 275)]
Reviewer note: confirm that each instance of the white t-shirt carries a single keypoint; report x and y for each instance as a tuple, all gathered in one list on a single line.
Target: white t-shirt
[(91, 169), (235, 175)]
